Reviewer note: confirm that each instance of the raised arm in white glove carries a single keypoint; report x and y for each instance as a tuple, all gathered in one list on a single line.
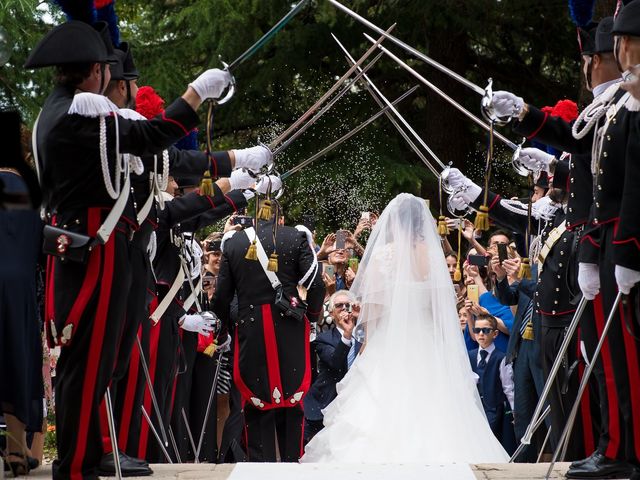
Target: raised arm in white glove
[(198, 323), (253, 158), (589, 280), (241, 179), (536, 160), (211, 83), (466, 190), (506, 104), (626, 278), (263, 184)]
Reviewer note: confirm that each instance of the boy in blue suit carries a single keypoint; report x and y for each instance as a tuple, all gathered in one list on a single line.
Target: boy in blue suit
[(495, 381)]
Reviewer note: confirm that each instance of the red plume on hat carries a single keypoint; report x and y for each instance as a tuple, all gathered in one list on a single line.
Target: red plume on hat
[(148, 102), (565, 109)]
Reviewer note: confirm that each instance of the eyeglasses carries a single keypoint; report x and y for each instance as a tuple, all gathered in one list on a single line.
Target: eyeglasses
[(485, 330), (346, 306)]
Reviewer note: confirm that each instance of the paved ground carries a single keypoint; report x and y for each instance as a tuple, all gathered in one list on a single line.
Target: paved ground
[(513, 471)]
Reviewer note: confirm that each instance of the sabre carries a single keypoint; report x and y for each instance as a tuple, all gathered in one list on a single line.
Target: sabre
[(280, 138), (526, 439), (262, 41), (564, 437), (155, 434), (377, 94), (485, 93), (208, 411), (324, 109), (189, 434), (112, 433), (521, 169), (535, 427), (346, 136), (154, 400), (174, 445)]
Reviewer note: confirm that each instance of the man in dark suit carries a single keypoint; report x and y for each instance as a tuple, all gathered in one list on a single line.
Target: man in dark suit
[(271, 340), (336, 350)]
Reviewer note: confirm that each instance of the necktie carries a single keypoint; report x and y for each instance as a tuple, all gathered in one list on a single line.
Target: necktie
[(481, 366), (351, 356), (526, 318)]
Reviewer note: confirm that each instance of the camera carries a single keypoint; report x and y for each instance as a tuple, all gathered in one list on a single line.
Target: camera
[(243, 220), (478, 260)]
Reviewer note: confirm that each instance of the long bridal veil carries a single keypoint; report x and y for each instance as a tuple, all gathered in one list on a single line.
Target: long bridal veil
[(410, 396)]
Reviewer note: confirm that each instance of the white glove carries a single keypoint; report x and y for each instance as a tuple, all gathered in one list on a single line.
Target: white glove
[(506, 104), (248, 194), (241, 179), (203, 323), (589, 280), (466, 190), (626, 278), (263, 184), (211, 83), (224, 346), (253, 158), (535, 159)]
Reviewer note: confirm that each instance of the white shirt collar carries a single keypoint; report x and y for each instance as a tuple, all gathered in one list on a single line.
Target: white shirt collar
[(489, 351), (597, 90)]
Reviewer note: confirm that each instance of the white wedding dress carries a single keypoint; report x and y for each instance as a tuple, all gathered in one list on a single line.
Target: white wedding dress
[(410, 396)]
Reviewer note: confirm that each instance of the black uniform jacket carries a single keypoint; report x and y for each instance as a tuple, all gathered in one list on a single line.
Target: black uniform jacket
[(69, 153), (556, 285), (272, 357)]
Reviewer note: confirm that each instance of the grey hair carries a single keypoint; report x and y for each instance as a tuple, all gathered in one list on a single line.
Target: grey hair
[(346, 293)]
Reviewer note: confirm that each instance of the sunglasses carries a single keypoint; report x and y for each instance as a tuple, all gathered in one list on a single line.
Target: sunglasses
[(485, 330), (341, 306)]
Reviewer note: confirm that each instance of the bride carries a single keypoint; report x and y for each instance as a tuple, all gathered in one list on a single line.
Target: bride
[(410, 396)]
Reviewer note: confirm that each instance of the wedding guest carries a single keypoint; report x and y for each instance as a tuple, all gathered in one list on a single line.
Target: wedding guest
[(337, 350), (495, 381)]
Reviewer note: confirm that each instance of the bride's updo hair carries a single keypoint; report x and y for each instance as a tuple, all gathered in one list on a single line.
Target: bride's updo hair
[(410, 213)]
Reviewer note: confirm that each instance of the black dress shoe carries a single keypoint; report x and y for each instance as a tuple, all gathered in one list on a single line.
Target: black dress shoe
[(577, 463), (599, 466), (130, 467)]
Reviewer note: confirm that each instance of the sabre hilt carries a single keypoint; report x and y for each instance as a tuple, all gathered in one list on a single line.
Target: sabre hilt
[(231, 89), (215, 321), (486, 106), (520, 169), (454, 212), (448, 189)]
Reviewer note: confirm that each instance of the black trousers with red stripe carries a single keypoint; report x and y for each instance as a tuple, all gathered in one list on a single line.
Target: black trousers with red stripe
[(262, 427), (563, 392), (92, 298), (182, 394), (621, 360), (124, 399)]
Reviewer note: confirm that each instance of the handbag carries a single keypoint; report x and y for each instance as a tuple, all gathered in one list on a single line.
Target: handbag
[(67, 245)]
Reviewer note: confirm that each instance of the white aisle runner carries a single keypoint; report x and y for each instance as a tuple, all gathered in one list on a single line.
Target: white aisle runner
[(337, 471)]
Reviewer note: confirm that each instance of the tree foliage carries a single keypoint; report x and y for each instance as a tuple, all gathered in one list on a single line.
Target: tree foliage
[(526, 47)]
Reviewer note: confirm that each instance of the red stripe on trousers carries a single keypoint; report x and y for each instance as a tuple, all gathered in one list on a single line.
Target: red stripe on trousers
[(612, 394), (154, 337), (89, 283), (93, 362), (129, 397), (634, 375), (271, 350)]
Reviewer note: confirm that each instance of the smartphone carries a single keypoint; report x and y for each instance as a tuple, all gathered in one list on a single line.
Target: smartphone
[(208, 280), (329, 270), (503, 252), (243, 220), (365, 216), (341, 237), (472, 293), (353, 264), (478, 260)]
